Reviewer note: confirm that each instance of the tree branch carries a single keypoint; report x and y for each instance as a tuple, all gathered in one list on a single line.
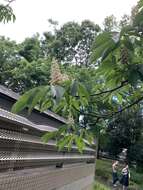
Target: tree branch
[(129, 106), (93, 114), (9, 2), (124, 83)]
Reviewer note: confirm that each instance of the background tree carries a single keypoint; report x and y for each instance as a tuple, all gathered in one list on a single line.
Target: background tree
[(125, 21), (8, 59), (125, 131), (136, 154), (72, 42), (30, 48), (16, 72), (110, 23), (27, 75)]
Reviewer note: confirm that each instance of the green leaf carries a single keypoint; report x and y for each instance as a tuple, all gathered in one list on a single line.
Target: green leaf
[(120, 98), (48, 136), (30, 99), (75, 103), (69, 145), (6, 14), (98, 52), (57, 92), (80, 143), (45, 105), (128, 44), (63, 142), (23, 101), (104, 44), (89, 137), (108, 50), (133, 76), (59, 107), (140, 71), (39, 94), (82, 91), (74, 87), (101, 39)]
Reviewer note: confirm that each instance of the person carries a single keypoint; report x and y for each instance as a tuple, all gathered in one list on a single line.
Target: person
[(114, 173), (125, 177)]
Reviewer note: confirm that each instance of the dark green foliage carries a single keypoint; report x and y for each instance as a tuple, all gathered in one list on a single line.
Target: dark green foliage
[(30, 49), (135, 153), (125, 131), (6, 13), (72, 42), (18, 73)]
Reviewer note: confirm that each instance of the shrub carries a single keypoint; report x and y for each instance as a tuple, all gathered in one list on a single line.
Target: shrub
[(99, 186), (136, 177)]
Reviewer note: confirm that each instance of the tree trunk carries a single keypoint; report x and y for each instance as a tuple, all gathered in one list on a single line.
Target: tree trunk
[(98, 148), (96, 152)]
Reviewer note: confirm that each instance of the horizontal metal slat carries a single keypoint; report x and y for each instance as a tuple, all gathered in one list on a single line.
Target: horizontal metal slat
[(15, 161), (7, 155), (18, 165), (13, 118), (35, 140)]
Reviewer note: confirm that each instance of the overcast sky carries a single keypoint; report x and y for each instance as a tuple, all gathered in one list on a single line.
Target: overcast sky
[(32, 15)]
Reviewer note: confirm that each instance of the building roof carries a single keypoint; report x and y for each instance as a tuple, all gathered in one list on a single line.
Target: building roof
[(14, 118), (15, 96)]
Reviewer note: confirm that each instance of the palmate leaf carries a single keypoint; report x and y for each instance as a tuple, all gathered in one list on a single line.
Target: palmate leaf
[(104, 44), (30, 99), (39, 97), (57, 134), (68, 135)]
